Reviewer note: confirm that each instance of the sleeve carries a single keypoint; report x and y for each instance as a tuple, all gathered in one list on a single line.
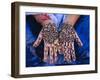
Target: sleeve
[(82, 29), (32, 59)]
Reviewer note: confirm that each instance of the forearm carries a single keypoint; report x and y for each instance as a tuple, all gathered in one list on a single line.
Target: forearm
[(71, 19)]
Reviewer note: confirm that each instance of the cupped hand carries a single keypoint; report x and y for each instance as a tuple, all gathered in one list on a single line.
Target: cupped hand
[(67, 36), (49, 35)]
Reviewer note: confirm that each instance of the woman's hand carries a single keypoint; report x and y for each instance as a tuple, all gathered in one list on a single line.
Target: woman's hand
[(67, 36), (49, 35)]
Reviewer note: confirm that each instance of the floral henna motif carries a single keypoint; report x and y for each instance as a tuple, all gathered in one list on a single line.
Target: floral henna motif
[(49, 33), (67, 36), (62, 42)]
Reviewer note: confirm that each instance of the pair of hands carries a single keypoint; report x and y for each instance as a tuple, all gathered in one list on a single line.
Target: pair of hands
[(58, 42)]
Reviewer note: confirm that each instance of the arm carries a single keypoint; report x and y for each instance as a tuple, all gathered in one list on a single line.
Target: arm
[(49, 35), (71, 19), (67, 37)]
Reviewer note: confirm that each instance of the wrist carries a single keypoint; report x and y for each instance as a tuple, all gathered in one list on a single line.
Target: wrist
[(71, 19), (66, 25), (69, 23), (47, 22)]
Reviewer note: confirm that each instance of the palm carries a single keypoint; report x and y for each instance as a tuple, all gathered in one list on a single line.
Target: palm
[(49, 35), (67, 36)]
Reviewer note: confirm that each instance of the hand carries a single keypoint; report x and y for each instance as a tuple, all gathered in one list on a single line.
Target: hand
[(49, 35), (67, 36)]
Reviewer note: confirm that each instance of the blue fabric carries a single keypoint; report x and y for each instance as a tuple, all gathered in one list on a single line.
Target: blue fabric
[(34, 56), (82, 29)]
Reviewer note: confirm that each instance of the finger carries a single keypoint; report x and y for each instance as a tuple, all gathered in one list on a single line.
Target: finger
[(68, 48), (51, 54), (61, 49), (55, 49), (73, 52), (77, 39), (73, 55), (67, 56), (45, 53), (57, 46), (37, 42), (55, 53)]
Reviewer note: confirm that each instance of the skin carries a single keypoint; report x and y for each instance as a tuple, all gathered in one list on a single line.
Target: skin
[(66, 46), (50, 47), (67, 36), (71, 19)]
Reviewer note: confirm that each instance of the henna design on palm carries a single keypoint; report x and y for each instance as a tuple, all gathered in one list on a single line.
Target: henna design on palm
[(67, 36), (49, 35)]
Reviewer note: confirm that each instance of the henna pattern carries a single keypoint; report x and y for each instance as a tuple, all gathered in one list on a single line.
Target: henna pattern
[(67, 36), (54, 41), (49, 33)]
